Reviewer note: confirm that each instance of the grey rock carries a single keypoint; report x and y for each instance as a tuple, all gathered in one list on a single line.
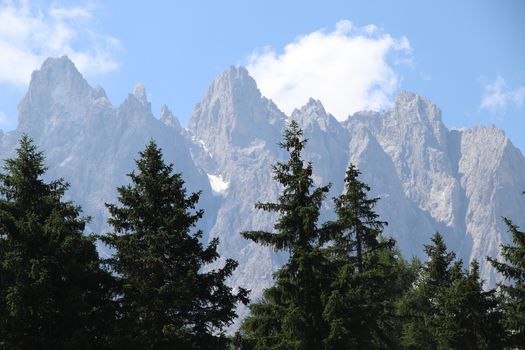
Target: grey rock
[(429, 178)]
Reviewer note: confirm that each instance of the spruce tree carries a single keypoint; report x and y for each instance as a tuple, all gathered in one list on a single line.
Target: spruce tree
[(289, 316), (447, 307), (418, 306), (53, 292), (168, 300), (467, 317), (364, 271), (513, 271)]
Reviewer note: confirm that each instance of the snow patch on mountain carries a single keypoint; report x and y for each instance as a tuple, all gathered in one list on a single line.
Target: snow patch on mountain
[(218, 184)]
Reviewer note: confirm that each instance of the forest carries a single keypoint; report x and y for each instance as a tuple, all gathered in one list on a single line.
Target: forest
[(345, 285)]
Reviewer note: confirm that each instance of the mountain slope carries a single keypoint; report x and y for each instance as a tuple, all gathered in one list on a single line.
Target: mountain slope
[(429, 178), (89, 142)]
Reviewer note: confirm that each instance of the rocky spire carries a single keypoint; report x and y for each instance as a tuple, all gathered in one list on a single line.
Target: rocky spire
[(233, 113)]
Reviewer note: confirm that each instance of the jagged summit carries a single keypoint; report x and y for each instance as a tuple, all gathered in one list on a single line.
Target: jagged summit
[(57, 93), (233, 112), (234, 81), (99, 92), (314, 113), (137, 101), (460, 182), (312, 106), (140, 94), (59, 64), (57, 78), (420, 107), (169, 119)]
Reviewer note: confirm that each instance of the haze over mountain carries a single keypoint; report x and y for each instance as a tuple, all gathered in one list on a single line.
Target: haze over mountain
[(429, 178)]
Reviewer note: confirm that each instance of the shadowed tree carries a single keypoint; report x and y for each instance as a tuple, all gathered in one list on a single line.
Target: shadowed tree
[(418, 306), (168, 300), (513, 293), (53, 292), (365, 271), (289, 316), (467, 317), (447, 307)]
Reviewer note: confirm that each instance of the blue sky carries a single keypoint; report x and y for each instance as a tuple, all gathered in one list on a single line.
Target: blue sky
[(468, 57)]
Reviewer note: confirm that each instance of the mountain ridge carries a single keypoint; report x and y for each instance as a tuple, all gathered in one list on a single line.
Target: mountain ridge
[(429, 177)]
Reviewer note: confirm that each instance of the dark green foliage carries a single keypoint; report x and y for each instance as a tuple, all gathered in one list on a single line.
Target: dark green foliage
[(513, 270), (53, 294), (290, 314), (467, 317), (419, 305), (167, 300), (364, 272), (447, 307), (356, 232)]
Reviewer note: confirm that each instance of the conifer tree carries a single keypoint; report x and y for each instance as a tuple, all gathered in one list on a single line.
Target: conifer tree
[(364, 272), (467, 317), (513, 270), (447, 308), (289, 316), (53, 292), (418, 306), (167, 299)]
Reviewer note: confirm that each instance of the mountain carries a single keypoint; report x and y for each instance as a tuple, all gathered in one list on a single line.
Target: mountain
[(430, 178), (92, 144)]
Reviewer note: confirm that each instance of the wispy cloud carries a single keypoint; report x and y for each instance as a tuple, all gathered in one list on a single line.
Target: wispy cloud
[(29, 34), (497, 97), (348, 69)]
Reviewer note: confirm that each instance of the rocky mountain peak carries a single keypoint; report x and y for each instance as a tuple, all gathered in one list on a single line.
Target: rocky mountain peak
[(419, 108), (99, 92), (233, 112), (313, 113), (140, 93), (415, 118), (313, 106), (459, 182), (168, 118), (58, 77), (137, 103), (231, 85), (56, 94)]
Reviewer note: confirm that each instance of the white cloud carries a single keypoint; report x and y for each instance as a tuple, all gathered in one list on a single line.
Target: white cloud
[(348, 69), (28, 35), (497, 97)]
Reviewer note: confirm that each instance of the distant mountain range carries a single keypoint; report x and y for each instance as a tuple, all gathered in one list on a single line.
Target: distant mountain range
[(430, 178)]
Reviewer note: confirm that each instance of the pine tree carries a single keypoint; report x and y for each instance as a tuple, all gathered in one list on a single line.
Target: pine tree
[(467, 317), (357, 230), (290, 314), (364, 272), (418, 306), (53, 292), (513, 270), (447, 307), (167, 299)]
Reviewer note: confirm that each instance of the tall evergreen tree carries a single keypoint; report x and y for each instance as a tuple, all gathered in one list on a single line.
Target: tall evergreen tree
[(364, 272), (513, 270), (290, 314), (53, 292), (418, 306), (447, 307), (467, 317), (357, 230), (168, 301)]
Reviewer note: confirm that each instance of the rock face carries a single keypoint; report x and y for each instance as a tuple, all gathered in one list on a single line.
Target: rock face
[(89, 142), (429, 178)]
